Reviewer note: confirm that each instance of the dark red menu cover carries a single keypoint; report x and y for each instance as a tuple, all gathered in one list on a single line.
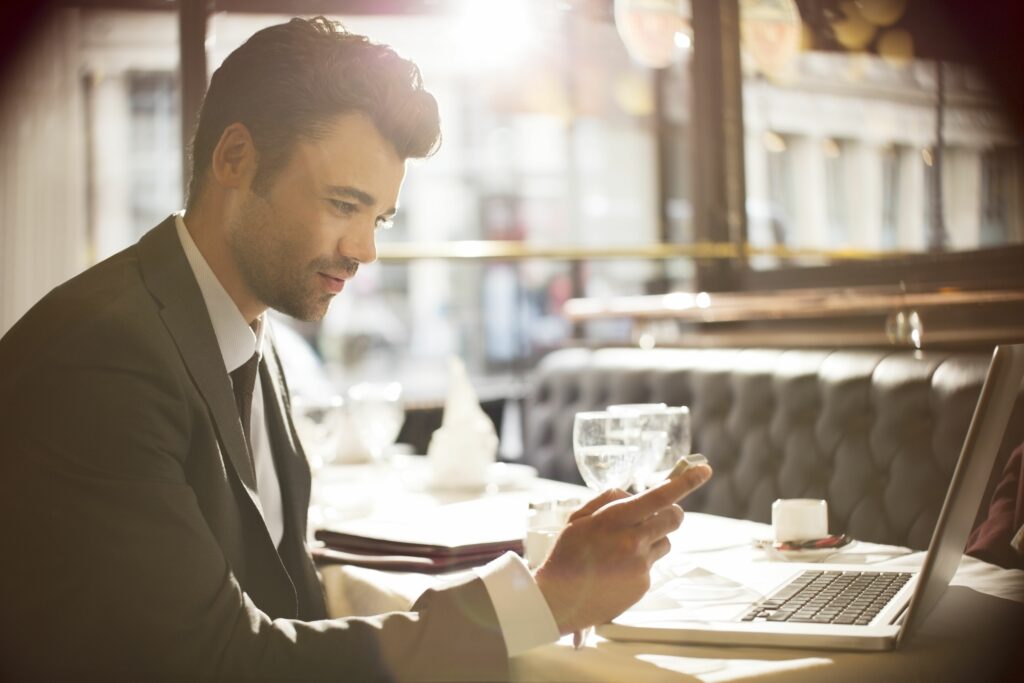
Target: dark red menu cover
[(439, 539), (404, 563)]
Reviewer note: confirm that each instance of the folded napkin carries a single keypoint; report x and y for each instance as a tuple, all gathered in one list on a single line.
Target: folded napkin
[(463, 448)]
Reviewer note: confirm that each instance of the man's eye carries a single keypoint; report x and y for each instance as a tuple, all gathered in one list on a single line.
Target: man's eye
[(385, 223), (343, 207)]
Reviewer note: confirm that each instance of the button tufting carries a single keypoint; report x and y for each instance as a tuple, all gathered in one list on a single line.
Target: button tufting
[(857, 426)]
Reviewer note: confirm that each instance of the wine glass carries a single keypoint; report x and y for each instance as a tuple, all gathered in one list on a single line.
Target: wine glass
[(674, 424), (662, 434), (319, 422), (606, 449), (376, 412)]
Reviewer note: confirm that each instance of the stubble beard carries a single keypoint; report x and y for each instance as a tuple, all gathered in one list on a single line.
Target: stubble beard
[(268, 266)]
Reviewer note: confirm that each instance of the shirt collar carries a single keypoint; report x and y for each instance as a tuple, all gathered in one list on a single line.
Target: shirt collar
[(236, 339)]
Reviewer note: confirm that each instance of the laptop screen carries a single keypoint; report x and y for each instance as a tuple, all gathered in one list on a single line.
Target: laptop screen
[(970, 478)]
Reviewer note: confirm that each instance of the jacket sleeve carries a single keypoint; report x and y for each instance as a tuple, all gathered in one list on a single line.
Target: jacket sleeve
[(110, 571)]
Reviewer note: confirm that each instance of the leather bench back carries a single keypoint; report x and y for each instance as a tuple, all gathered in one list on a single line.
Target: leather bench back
[(876, 433)]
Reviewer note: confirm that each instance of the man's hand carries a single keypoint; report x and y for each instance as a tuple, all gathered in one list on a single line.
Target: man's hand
[(601, 563)]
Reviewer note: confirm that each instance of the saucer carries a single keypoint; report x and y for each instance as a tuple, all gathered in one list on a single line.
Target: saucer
[(804, 554)]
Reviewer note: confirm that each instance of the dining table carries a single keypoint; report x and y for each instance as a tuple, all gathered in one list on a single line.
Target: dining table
[(974, 633)]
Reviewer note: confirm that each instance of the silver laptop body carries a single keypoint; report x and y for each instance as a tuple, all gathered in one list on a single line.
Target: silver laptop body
[(912, 597)]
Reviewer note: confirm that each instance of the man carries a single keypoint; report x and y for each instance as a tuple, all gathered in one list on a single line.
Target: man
[(153, 488)]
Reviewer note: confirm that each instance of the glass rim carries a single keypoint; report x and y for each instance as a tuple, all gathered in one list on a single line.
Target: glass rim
[(594, 414), (632, 409)]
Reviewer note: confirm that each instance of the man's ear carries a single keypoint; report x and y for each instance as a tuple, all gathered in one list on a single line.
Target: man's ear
[(234, 158)]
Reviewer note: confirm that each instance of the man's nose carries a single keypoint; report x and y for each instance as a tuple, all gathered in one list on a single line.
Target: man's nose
[(360, 245)]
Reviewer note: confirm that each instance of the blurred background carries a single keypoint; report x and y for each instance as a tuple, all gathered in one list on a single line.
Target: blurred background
[(642, 172)]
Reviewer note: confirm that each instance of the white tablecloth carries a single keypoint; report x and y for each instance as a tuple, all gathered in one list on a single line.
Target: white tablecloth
[(973, 634)]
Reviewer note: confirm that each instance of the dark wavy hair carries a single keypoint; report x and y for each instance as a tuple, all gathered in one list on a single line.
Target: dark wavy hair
[(288, 81)]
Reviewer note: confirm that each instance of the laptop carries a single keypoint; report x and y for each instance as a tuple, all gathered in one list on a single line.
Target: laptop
[(848, 607)]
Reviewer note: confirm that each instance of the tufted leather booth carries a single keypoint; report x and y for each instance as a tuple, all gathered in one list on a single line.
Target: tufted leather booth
[(876, 433)]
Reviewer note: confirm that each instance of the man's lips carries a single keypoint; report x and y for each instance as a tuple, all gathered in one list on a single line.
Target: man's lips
[(332, 284)]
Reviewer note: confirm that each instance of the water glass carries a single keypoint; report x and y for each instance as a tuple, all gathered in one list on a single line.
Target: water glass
[(662, 434), (674, 423), (606, 449), (376, 413), (319, 423)]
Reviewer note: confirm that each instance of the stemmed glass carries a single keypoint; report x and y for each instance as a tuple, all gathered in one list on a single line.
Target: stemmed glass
[(376, 412), (662, 434), (673, 426), (606, 448), (319, 423)]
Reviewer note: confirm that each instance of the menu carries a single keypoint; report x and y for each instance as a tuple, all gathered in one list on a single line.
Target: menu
[(444, 538)]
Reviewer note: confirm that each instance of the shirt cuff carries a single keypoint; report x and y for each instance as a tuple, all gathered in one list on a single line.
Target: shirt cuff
[(523, 613)]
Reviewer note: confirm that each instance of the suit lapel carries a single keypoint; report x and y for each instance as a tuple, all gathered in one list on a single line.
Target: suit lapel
[(169, 278)]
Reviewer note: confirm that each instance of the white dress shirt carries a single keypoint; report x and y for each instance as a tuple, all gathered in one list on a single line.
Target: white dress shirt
[(523, 613)]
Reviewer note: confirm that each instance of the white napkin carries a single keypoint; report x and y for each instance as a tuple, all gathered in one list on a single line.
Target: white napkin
[(463, 448)]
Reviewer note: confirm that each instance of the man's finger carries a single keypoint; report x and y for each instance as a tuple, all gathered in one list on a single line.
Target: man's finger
[(598, 501), (666, 493), (661, 523), (660, 550)]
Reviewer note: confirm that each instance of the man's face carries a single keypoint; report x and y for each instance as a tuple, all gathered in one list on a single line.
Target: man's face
[(297, 243)]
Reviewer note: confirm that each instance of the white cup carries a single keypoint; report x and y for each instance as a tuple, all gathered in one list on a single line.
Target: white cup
[(799, 519)]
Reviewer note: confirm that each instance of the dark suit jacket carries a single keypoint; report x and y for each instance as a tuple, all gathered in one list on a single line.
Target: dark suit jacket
[(133, 547)]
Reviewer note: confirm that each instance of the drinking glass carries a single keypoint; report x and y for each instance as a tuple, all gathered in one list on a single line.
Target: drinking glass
[(606, 449), (675, 423), (319, 424), (662, 434), (375, 411)]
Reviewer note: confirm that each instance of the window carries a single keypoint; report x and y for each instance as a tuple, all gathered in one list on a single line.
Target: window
[(891, 158), (559, 145), (1001, 196), (129, 66), (154, 164), (844, 120)]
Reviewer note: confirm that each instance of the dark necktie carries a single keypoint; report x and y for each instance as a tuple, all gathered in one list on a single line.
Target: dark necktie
[(243, 381)]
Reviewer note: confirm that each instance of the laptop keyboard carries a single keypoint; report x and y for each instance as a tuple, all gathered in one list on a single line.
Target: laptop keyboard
[(830, 597)]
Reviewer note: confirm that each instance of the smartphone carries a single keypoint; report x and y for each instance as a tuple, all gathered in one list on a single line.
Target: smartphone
[(686, 463)]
